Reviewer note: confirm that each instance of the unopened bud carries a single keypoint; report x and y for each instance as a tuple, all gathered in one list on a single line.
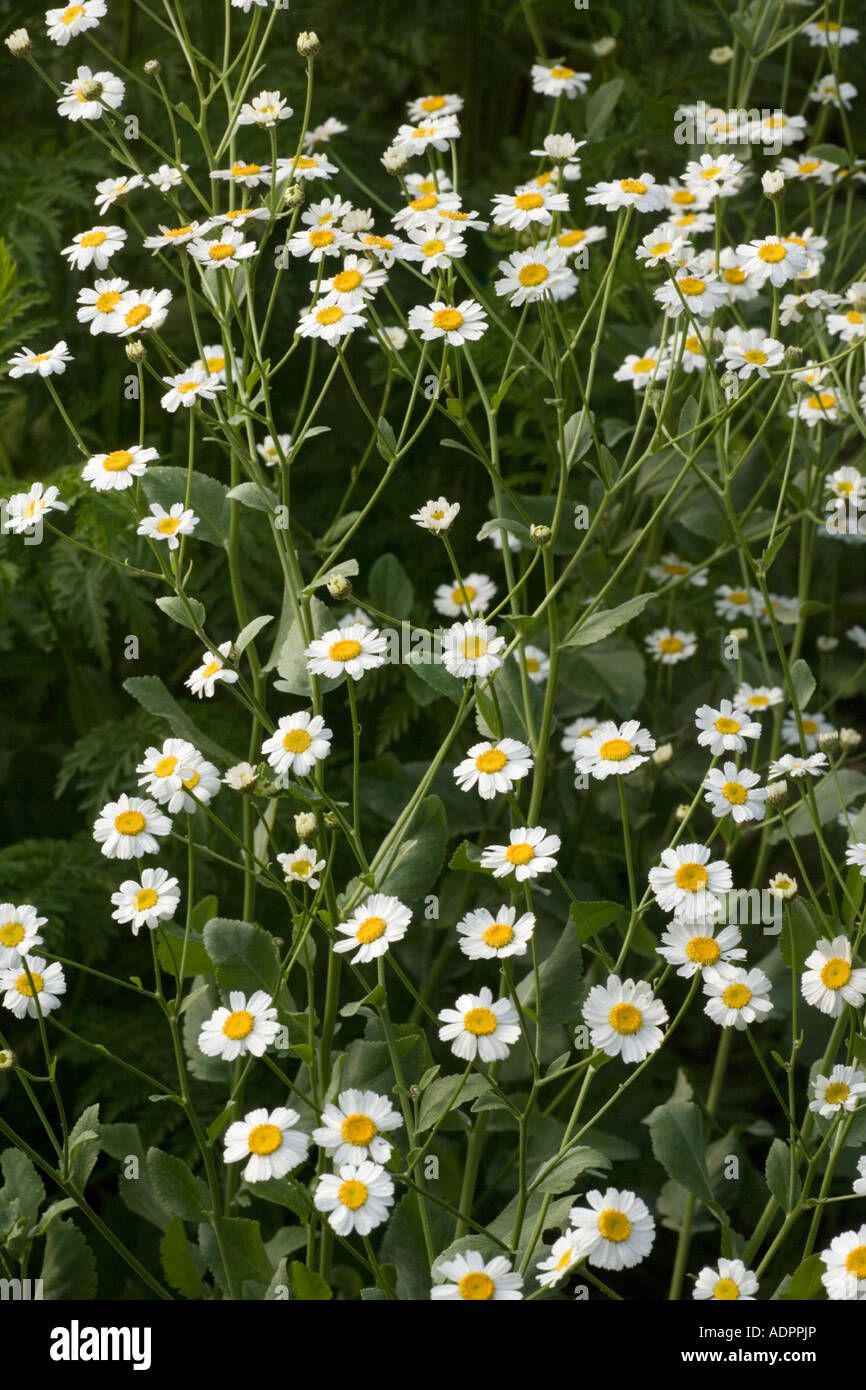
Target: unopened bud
[(358, 220), (739, 634), (794, 355), (306, 825), (827, 644), (394, 159), (415, 1090), (773, 184), (135, 350), (777, 791), (682, 811), (602, 47), (308, 43), (339, 586), (153, 67), (540, 534), (7, 1058), (663, 754), (18, 43), (849, 738), (828, 742), (330, 820), (270, 787), (721, 55), (293, 196)]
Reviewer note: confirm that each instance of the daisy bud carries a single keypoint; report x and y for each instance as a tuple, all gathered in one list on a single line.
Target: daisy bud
[(783, 886), (308, 43), (828, 742), (540, 535), (293, 196), (739, 634), (794, 358), (7, 1059), (663, 754), (415, 1090), (306, 825), (827, 644), (602, 47), (655, 399), (393, 159), (339, 586), (135, 350), (773, 184), (330, 820), (358, 220), (721, 55), (18, 43), (152, 67), (681, 812), (849, 738), (777, 791)]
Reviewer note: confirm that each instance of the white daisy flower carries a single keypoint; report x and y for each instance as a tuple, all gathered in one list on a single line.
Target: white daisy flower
[(846, 482), (665, 246), (616, 1229), (642, 193), (380, 920), (266, 110), (301, 866), (234, 218), (316, 242), (268, 1141), (435, 104), (169, 525), (189, 387), (94, 247), (714, 176), (535, 662), (224, 253), (778, 129), (529, 852), (308, 167), (814, 725), (472, 649), (38, 994), (321, 134), (479, 1028), (241, 776), (772, 259), (26, 362), (829, 982), (169, 773), (435, 133), (435, 245), (485, 937), (789, 766), (624, 1017), (611, 749), (575, 239), (148, 901), (842, 1090), (754, 699), (474, 595), (329, 320), (70, 20), (87, 95), (357, 1198), (824, 407), (729, 1280), (844, 1275), (353, 650), (849, 326), (736, 997), (671, 567), (695, 294), (111, 191), (25, 509), (140, 310), (824, 33), (247, 1027), (98, 306), (203, 680), (574, 734), (735, 792), (470, 1277), (692, 946), (528, 204), (644, 370), (246, 5), (354, 285), (493, 767), (783, 886), (173, 236), (860, 1183), (128, 828), (564, 1255), (688, 882), (243, 174), (670, 647), (830, 93), (724, 730), (352, 1129), (527, 276), (19, 932), (167, 177), (119, 469), (437, 515), (272, 452), (754, 353), (465, 322), (732, 604), (299, 742), (555, 80)]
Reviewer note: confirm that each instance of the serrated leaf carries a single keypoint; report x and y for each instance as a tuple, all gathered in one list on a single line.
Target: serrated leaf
[(83, 1147), (179, 1190), (445, 1094), (68, 1264), (178, 1265), (561, 1175), (307, 1285), (677, 1134), (245, 1254), (190, 614), (602, 623), (244, 955)]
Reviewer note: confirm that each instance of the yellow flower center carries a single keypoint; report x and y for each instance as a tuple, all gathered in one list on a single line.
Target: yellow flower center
[(240, 171), (727, 726), (145, 899), (307, 162), (434, 247), (755, 355), (711, 173), (737, 996), (571, 238), (23, 986), (321, 237), (614, 1225), (670, 645), (11, 933), (93, 239), (808, 166), (632, 186), (432, 103), (447, 319), (474, 648), (625, 1019), (526, 201), (346, 281), (358, 1129), (165, 767), (676, 569), (211, 670), (734, 276), (757, 701), (215, 364), (773, 253), (177, 231), (476, 1287), (533, 274), (691, 286), (296, 741), (532, 665), (562, 74), (129, 823), (346, 650), (71, 13), (425, 203), (352, 1194), (497, 935), (855, 1262), (118, 461), (643, 365), (423, 132), (186, 386), (332, 314), (464, 595), (302, 867), (220, 251), (809, 726), (481, 1022), (822, 402), (544, 179), (107, 301), (726, 1290), (837, 1093), (836, 973), (735, 793), (265, 1139), (683, 197), (614, 750), (238, 1025), (491, 761), (703, 950), (192, 781), (454, 214), (137, 314), (519, 853), (661, 248), (370, 930), (853, 317), (382, 243), (691, 877)]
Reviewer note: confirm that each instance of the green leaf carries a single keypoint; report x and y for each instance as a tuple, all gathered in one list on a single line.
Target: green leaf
[(833, 154), (504, 523), (386, 440), (499, 396), (245, 1254), (83, 1147), (467, 859), (434, 675), (689, 416), (22, 1194), (344, 568), (283, 1194), (592, 918), (68, 1265), (167, 485), (441, 1097), (419, 859), (559, 981), (248, 633), (602, 623), (178, 1188), (677, 1134), (803, 683), (614, 671), (601, 106), (178, 1264), (505, 684), (205, 999), (403, 1246), (805, 1281), (123, 1142), (255, 496), (244, 955), (151, 693), (562, 1174), (170, 950), (577, 435), (778, 1171), (851, 783), (390, 587), (308, 1285), (190, 614), (772, 551)]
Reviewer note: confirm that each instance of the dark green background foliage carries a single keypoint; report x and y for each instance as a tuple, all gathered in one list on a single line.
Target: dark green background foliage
[(71, 735)]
